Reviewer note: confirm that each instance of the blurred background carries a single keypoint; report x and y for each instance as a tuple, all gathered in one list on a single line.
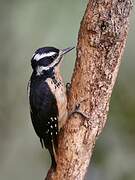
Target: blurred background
[(25, 26)]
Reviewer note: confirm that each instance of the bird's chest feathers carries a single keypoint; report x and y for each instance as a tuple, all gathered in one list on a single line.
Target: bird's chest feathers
[(57, 88)]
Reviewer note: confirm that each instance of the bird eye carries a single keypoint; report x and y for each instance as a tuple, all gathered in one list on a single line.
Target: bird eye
[(54, 56), (47, 61)]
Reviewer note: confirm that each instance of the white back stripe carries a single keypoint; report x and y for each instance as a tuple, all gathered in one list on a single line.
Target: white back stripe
[(37, 57)]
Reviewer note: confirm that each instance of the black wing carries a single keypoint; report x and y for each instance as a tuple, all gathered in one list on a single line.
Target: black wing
[(44, 112), (44, 115)]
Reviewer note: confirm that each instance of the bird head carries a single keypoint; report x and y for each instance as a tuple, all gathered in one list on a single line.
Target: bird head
[(47, 58)]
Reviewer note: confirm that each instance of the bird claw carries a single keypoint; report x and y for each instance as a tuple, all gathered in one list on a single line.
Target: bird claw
[(77, 110), (68, 86)]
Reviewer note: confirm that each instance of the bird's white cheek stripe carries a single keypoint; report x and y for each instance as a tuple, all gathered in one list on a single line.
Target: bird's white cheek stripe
[(37, 57), (40, 70)]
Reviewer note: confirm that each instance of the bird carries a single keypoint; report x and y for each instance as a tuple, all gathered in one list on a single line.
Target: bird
[(47, 97)]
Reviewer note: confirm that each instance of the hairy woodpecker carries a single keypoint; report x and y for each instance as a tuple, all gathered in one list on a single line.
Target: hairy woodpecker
[(47, 97)]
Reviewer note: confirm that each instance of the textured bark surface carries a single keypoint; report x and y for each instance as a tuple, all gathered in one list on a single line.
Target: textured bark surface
[(101, 42)]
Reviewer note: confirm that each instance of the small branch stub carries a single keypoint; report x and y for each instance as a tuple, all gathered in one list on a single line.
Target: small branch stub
[(101, 42)]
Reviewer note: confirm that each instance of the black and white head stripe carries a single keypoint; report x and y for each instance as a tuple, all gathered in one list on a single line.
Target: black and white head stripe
[(45, 58), (45, 52), (37, 57)]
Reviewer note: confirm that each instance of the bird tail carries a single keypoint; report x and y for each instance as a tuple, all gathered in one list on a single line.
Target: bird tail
[(53, 155), (51, 146)]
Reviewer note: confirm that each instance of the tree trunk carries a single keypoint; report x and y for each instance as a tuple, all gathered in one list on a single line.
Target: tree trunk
[(101, 42)]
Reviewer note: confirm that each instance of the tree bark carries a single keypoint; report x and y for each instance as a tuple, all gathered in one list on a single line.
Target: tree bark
[(101, 42)]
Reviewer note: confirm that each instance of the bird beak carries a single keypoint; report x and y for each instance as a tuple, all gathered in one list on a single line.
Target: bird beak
[(65, 51)]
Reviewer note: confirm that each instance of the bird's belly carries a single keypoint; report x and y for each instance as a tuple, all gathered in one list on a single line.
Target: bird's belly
[(62, 106), (60, 94)]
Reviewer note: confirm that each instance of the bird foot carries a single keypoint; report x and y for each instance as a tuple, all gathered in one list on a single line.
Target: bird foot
[(68, 87), (77, 110)]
